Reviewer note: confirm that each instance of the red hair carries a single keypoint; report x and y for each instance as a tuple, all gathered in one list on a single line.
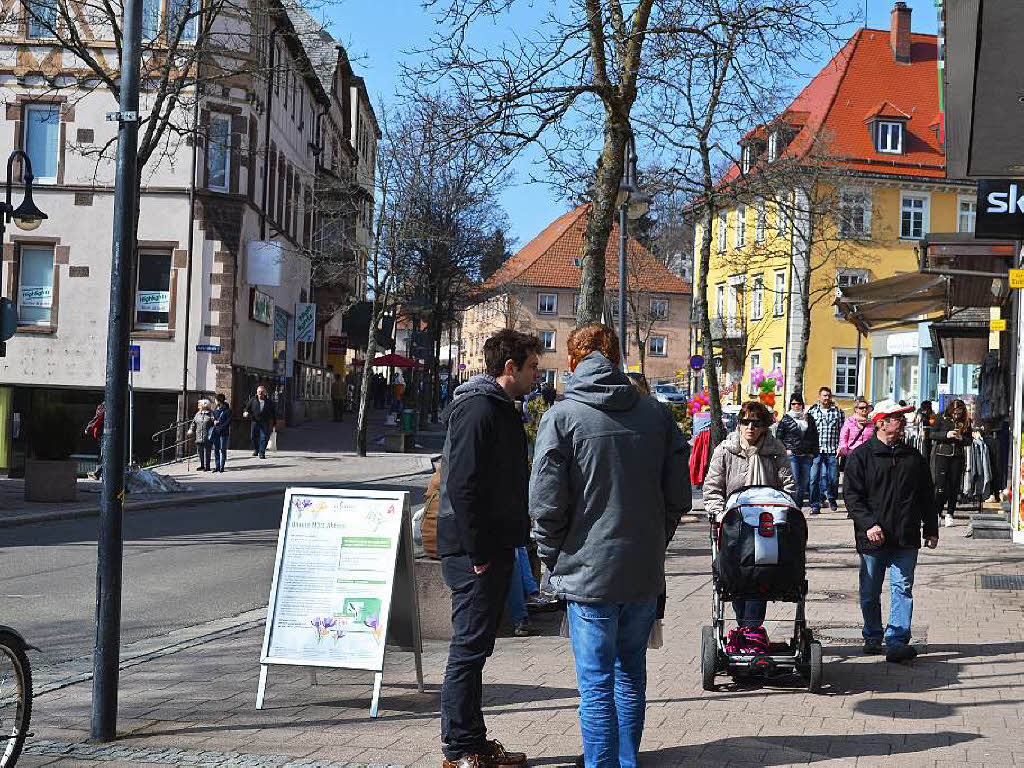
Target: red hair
[(593, 337)]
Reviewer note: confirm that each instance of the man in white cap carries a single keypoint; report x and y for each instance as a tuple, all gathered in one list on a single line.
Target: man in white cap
[(890, 496)]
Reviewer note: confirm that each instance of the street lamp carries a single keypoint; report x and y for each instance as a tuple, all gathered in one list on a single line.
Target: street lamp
[(26, 216), (632, 204)]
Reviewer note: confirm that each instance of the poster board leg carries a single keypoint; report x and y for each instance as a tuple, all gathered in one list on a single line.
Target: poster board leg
[(419, 671), (262, 687), (378, 678)]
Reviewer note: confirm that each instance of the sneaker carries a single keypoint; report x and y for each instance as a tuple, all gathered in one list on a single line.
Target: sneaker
[(901, 654), (521, 628), (833, 505), (755, 639), (873, 647), (498, 755), (948, 522), (815, 511)]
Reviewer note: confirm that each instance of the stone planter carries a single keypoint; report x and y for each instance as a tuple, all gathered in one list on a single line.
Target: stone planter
[(51, 481)]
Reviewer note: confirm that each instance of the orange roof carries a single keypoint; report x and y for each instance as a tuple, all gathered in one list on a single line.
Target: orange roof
[(548, 261)]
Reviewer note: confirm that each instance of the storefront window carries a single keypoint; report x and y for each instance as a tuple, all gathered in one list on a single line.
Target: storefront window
[(153, 291)]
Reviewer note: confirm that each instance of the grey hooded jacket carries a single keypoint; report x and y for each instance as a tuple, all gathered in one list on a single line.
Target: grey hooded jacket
[(610, 482)]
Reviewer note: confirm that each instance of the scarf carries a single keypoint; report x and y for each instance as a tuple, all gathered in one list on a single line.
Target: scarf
[(757, 470), (800, 419)]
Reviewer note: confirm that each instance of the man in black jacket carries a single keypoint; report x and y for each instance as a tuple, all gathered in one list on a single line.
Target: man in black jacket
[(889, 494), (482, 517), (264, 418)]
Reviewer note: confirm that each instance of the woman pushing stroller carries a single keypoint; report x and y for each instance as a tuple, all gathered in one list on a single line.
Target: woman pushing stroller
[(748, 456)]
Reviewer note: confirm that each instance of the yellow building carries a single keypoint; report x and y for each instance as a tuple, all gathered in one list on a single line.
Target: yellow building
[(838, 190)]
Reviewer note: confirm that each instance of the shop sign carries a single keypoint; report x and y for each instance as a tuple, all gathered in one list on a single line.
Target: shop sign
[(1017, 278), (336, 344), (35, 296), (153, 301), (261, 306), (902, 343), (305, 322), (997, 325), (1000, 209)]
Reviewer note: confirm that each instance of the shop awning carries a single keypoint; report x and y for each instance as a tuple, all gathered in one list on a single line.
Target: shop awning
[(893, 301)]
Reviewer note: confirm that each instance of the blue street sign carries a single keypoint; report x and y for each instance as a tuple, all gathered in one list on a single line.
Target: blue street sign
[(134, 358), (215, 348)]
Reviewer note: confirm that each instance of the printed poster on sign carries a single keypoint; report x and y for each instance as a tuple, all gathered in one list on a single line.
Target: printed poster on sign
[(35, 296), (305, 322), (333, 586), (153, 301)]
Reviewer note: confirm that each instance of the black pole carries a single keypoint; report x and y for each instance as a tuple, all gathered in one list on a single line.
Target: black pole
[(108, 567)]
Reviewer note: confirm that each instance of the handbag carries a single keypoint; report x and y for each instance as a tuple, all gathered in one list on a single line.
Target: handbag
[(944, 449)]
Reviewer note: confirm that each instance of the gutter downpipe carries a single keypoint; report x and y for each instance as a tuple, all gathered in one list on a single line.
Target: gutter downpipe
[(183, 409), (266, 131)]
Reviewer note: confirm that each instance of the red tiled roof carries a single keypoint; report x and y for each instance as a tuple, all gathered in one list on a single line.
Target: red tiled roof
[(887, 110), (547, 261)]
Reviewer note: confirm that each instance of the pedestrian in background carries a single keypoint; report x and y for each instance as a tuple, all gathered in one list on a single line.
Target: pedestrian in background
[(94, 429), (889, 495), (828, 418), (338, 389), (799, 433), (263, 415), (202, 431), (951, 439), (608, 488), (857, 429), (221, 432), (482, 518)]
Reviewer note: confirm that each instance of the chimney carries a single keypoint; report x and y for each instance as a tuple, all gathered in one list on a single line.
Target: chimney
[(899, 34)]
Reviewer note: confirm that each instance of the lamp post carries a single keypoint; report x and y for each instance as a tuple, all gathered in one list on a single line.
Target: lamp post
[(632, 204), (26, 216)]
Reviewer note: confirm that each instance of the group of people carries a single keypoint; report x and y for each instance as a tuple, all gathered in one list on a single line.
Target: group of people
[(606, 490), (211, 428)]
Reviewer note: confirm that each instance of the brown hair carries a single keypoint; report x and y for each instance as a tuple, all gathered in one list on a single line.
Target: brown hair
[(963, 424), (507, 345), (593, 337), (753, 409)]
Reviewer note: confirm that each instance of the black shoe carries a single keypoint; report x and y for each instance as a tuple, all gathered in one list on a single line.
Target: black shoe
[(521, 628), (901, 654), (873, 647), (833, 505), (255, 453), (263, 455)]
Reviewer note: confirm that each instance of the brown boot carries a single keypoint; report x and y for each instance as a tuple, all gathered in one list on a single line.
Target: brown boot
[(470, 761), (499, 756)]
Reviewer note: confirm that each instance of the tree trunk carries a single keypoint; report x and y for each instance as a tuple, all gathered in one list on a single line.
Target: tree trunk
[(371, 354), (704, 320), (599, 224), (800, 288)]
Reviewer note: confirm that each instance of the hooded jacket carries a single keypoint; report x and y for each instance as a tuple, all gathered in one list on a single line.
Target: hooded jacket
[(802, 442), (889, 486), (484, 474), (727, 472), (854, 435), (610, 482)]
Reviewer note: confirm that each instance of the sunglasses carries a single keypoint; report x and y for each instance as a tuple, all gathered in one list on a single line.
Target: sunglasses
[(751, 423), (862, 408)]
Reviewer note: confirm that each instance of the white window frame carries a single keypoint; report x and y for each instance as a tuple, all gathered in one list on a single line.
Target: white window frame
[(50, 108), (757, 298), (885, 133), (755, 361), (541, 302), (846, 277), (781, 215), (722, 235), (760, 220), (544, 336), (847, 198), (222, 119), (732, 295), (664, 346), (777, 357), (779, 293), (773, 146), (720, 301), (926, 199), (657, 314), (48, 323), (971, 214), (847, 355), (747, 155), (741, 226)]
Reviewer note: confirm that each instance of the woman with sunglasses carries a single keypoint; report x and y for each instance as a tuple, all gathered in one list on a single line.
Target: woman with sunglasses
[(748, 456), (951, 438), (857, 429)]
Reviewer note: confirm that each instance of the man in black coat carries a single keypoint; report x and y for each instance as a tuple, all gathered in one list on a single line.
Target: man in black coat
[(482, 518), (261, 411), (890, 496)]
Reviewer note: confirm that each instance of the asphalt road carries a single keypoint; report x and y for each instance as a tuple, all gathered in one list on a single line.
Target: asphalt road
[(182, 566)]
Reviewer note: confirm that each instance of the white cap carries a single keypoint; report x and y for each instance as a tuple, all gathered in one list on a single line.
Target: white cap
[(888, 407)]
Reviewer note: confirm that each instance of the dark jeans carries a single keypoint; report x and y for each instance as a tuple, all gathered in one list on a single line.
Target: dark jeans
[(477, 605), (801, 466), (947, 487), (750, 613), (338, 407), (260, 434), (220, 450), (203, 452)]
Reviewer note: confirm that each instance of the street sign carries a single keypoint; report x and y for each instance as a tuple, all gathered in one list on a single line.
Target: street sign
[(997, 325), (215, 348), (134, 358), (697, 362), (1017, 278)]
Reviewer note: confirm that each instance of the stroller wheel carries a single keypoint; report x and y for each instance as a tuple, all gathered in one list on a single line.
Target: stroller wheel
[(815, 668), (708, 657)]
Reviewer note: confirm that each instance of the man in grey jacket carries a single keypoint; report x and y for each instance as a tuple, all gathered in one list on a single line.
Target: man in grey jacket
[(610, 482)]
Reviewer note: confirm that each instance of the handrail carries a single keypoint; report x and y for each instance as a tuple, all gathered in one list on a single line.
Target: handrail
[(174, 426), (180, 447)]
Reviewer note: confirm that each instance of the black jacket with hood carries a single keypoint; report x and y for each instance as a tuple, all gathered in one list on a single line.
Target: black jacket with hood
[(801, 442), (484, 474)]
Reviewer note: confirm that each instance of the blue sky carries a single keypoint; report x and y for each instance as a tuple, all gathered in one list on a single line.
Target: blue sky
[(377, 33)]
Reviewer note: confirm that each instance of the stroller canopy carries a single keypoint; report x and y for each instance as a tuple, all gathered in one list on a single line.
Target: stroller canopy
[(763, 495)]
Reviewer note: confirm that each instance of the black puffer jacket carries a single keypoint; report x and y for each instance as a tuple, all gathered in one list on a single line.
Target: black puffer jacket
[(889, 486), (797, 441), (484, 474)]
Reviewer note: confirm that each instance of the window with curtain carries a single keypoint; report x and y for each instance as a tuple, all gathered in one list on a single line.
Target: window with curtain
[(35, 286), (42, 140), (153, 291), (218, 153)]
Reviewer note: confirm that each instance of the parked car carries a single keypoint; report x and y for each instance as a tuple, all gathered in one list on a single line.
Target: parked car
[(669, 393)]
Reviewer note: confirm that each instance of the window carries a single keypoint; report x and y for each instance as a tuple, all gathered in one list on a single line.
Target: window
[(547, 303), (913, 216), (855, 213), (967, 212), (748, 156), (760, 218), (42, 140), (848, 277), (547, 376), (779, 291), (153, 291), (723, 230), (757, 298), (776, 363), (547, 339), (218, 153), (42, 19), (845, 374), (150, 19), (741, 226), (755, 362), (720, 300), (659, 309), (735, 287), (773, 146), (183, 16), (575, 304), (35, 286), (656, 346), (890, 137), (781, 216)]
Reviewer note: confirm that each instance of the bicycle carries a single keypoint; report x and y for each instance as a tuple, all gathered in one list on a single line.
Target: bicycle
[(15, 695)]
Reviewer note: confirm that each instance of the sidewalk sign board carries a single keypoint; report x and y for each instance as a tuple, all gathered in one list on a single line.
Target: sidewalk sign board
[(344, 587)]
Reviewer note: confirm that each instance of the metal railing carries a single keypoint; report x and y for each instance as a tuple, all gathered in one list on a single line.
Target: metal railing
[(174, 440)]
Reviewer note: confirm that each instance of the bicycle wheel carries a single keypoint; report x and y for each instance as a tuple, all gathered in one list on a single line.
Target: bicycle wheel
[(15, 698)]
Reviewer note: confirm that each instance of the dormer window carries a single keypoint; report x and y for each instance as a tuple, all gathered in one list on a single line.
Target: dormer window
[(748, 158), (773, 146), (890, 137)]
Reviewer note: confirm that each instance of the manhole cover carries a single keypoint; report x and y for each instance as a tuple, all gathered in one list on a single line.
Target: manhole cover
[(1000, 581), (827, 595)]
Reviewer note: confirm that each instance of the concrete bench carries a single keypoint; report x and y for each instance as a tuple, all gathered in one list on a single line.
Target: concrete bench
[(399, 442)]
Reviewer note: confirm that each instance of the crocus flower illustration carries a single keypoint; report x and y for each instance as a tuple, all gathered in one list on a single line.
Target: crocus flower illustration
[(322, 627)]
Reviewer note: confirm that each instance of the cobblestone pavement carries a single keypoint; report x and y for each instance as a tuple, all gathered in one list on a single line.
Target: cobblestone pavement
[(960, 704)]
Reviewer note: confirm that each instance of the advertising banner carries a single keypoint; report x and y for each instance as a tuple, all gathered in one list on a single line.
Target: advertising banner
[(305, 322), (35, 296), (153, 301)]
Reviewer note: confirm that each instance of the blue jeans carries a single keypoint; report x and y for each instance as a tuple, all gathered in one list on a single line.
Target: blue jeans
[(609, 645), (522, 586), (260, 434), (801, 466), (220, 449), (824, 479), (901, 564), (750, 613)]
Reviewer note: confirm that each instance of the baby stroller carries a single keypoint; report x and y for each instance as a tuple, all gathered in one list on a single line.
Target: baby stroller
[(758, 553)]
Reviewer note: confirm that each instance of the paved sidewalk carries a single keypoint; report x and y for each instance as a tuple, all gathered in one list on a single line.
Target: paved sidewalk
[(960, 704), (314, 453)]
